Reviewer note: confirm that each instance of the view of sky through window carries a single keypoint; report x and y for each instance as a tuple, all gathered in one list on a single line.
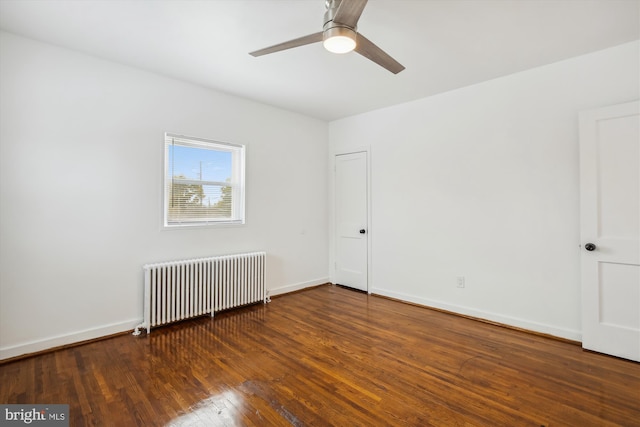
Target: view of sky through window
[(199, 164)]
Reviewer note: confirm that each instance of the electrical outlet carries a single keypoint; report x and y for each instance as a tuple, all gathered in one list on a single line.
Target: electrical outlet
[(461, 281)]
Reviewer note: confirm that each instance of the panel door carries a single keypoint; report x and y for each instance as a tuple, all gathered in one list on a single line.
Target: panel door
[(610, 229), (351, 217)]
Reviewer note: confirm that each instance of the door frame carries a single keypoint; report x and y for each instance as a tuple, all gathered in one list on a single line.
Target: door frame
[(332, 212)]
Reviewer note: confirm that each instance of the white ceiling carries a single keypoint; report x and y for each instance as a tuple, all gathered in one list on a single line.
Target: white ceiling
[(444, 44)]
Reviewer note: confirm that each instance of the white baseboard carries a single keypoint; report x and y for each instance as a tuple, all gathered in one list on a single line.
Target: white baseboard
[(298, 286), (66, 339), (569, 334)]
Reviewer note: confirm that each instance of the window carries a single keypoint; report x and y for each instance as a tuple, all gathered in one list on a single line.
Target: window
[(203, 182)]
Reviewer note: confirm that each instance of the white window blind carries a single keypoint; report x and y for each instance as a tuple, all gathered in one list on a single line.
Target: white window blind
[(203, 182)]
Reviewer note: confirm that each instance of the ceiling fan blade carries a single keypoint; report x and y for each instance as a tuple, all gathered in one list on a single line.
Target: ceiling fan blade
[(369, 50), (349, 12), (301, 41)]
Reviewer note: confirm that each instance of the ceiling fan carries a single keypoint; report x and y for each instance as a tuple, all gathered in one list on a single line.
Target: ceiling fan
[(339, 35)]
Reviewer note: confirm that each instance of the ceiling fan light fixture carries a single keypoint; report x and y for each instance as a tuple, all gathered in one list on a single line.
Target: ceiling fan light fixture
[(339, 39)]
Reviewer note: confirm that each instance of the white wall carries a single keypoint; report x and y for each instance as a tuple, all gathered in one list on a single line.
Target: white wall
[(482, 182), (81, 147)]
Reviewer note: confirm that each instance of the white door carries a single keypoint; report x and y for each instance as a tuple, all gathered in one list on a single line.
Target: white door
[(610, 229), (351, 217)]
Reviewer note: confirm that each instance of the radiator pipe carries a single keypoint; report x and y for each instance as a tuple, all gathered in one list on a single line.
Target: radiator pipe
[(136, 331)]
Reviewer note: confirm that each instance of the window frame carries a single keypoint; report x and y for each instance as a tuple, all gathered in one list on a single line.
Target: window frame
[(238, 159)]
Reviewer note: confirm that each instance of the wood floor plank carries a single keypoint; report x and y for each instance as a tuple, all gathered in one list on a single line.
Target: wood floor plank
[(330, 356)]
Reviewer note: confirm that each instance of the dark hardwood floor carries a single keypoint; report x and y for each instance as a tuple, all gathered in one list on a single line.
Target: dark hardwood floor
[(330, 356)]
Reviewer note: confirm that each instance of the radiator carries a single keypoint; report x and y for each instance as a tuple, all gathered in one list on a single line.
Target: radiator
[(179, 290)]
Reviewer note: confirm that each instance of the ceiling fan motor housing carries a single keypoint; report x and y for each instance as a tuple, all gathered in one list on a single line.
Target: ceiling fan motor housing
[(336, 31), (331, 28)]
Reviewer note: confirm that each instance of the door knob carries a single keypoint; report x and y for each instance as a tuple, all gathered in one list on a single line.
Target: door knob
[(362, 231), (590, 247)]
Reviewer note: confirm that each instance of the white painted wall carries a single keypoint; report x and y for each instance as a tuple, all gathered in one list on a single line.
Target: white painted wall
[(482, 182), (81, 146)]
